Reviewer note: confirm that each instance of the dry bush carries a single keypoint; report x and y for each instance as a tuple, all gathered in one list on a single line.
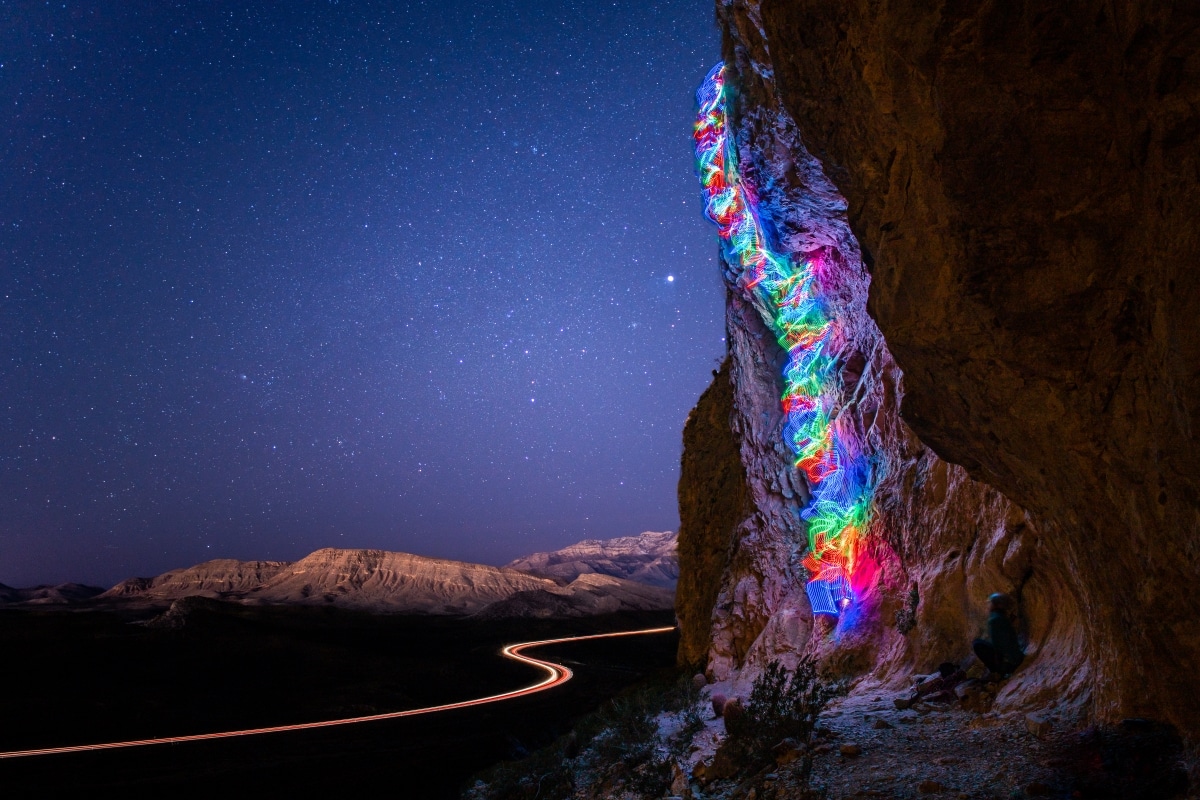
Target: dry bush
[(780, 706)]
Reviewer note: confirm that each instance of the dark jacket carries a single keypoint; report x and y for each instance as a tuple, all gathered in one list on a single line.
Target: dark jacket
[(1004, 639)]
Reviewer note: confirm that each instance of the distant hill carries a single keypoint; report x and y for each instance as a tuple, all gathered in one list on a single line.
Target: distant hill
[(370, 580), (584, 596), (634, 573), (650, 558), (386, 582), (46, 595), (210, 579)]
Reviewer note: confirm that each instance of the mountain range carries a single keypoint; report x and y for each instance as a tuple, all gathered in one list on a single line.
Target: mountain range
[(48, 595), (591, 577), (650, 558)]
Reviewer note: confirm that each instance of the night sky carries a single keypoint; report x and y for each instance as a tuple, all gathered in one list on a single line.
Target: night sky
[(429, 277)]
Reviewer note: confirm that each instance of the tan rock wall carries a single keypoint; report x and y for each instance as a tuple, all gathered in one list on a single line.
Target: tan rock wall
[(1042, 340), (1024, 178)]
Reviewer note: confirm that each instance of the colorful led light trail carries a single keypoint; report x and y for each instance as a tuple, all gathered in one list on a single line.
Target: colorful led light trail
[(788, 293)]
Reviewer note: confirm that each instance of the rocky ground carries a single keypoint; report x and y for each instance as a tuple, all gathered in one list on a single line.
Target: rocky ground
[(937, 739), (865, 746), (872, 749)]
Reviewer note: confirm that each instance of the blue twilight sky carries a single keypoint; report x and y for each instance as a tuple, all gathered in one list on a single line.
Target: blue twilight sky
[(429, 277)]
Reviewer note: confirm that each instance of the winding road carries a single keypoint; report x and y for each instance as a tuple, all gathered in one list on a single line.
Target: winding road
[(555, 675)]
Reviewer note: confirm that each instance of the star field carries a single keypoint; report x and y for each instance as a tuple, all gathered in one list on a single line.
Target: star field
[(429, 277)]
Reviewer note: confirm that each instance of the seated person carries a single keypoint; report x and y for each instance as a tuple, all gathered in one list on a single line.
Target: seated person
[(1000, 652)]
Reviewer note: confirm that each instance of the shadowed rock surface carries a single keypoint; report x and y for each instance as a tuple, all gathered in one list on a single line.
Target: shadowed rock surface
[(712, 501)]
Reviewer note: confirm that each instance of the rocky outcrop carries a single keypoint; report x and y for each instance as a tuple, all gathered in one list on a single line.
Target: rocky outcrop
[(1023, 181), (935, 530), (924, 506), (649, 558)]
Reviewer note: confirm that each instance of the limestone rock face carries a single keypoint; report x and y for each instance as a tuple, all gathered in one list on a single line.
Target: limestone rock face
[(1024, 180), (749, 523), (649, 558)]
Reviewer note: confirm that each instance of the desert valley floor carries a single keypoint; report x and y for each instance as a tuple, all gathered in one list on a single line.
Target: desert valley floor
[(100, 678)]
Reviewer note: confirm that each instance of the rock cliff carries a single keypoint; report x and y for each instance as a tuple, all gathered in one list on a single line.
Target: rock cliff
[(713, 500), (1008, 191)]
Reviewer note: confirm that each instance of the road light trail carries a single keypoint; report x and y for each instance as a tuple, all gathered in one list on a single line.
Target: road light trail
[(556, 675)]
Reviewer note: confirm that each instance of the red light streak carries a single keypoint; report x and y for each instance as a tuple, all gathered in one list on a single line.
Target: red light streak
[(556, 675)]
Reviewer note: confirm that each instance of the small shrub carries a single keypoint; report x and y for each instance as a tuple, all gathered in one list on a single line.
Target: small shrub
[(631, 733), (691, 724), (630, 742), (906, 618), (618, 745), (684, 695), (547, 775), (780, 707)]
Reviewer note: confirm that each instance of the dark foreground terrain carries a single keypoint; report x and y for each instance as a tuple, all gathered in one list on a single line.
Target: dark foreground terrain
[(76, 678)]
